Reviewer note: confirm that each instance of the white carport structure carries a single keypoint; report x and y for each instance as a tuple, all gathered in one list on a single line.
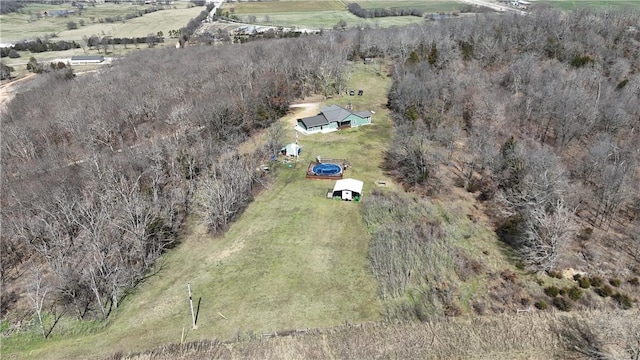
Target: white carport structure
[(348, 189)]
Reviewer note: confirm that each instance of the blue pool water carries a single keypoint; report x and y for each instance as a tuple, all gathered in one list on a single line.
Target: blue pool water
[(327, 169)]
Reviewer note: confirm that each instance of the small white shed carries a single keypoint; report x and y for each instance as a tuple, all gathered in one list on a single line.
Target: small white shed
[(292, 149), (348, 189)]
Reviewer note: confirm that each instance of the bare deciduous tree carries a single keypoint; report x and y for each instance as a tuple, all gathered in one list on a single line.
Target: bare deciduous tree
[(37, 293), (547, 231)]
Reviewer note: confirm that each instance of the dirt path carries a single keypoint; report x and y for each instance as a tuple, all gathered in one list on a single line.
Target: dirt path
[(7, 90)]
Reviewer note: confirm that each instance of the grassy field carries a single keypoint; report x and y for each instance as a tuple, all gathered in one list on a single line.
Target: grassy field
[(16, 27), (577, 4), (293, 260), (259, 8), (327, 19), (426, 6), (325, 14)]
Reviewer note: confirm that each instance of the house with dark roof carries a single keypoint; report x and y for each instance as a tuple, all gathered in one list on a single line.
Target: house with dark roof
[(333, 118)]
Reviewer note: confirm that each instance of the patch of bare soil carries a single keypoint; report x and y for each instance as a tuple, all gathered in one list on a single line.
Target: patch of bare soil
[(310, 107)]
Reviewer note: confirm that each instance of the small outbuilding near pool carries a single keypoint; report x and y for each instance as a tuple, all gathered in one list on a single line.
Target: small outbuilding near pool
[(348, 190), (292, 149)]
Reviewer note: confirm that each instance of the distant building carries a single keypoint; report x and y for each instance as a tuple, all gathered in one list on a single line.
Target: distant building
[(59, 12), (86, 59)]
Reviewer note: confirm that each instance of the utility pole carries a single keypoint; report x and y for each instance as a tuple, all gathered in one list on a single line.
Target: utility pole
[(193, 315)]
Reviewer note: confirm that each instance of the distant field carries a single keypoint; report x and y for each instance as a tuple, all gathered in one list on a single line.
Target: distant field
[(271, 7), (325, 14), (326, 19), (16, 27), (426, 6), (576, 4)]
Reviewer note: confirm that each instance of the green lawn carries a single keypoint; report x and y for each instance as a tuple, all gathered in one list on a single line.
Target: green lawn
[(16, 27), (293, 260)]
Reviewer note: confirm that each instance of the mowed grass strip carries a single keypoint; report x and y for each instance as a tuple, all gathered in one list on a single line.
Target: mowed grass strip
[(16, 27), (294, 259)]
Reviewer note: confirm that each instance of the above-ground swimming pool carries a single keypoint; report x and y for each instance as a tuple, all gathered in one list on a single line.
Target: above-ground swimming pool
[(327, 169)]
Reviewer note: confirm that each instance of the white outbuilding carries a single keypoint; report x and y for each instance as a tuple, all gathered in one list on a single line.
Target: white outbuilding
[(292, 149), (86, 59), (348, 189)]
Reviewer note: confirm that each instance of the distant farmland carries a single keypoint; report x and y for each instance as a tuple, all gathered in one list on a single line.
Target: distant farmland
[(576, 4), (26, 25), (325, 14)]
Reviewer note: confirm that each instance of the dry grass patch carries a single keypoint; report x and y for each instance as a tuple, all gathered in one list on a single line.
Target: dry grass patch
[(526, 336)]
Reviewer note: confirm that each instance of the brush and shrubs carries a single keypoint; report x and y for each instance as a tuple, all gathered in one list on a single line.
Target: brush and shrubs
[(555, 274), (584, 282), (562, 304), (604, 291), (552, 291), (541, 305), (574, 293), (623, 300), (563, 292), (596, 281)]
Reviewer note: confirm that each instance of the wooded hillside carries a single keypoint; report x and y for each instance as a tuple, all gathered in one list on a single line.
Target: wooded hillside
[(540, 115)]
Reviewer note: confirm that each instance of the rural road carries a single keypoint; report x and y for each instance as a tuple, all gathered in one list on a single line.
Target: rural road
[(216, 5), (494, 6)]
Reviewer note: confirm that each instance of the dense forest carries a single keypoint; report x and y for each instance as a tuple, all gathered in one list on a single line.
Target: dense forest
[(537, 116), (545, 110)]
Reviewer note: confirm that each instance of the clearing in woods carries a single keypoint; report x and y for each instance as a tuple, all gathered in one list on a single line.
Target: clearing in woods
[(294, 259)]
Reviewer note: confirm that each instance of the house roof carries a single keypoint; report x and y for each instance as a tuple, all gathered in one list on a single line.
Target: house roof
[(363, 114), (349, 184), (329, 114), (314, 121), (335, 113)]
